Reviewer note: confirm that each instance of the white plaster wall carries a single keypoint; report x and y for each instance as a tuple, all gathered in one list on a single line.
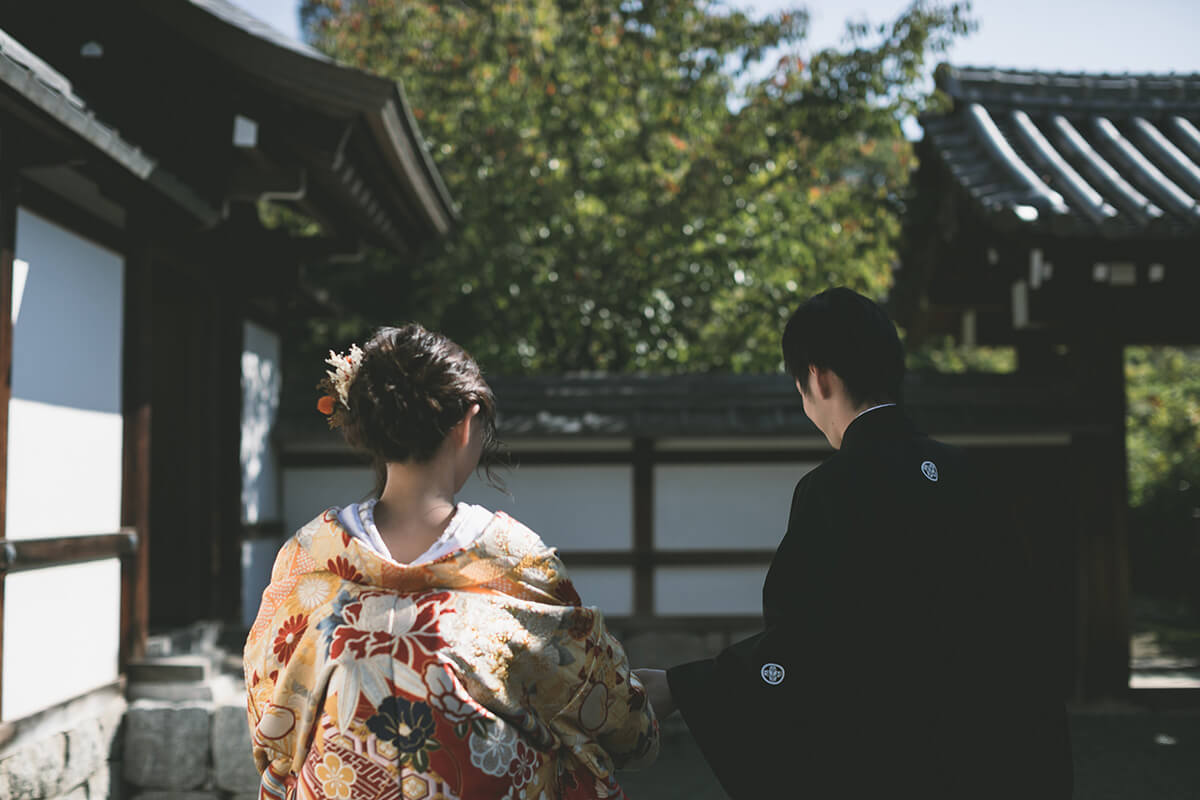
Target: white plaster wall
[(307, 491), (708, 590), (61, 634), (65, 439), (723, 506), (609, 588), (570, 507), (261, 381), (65, 426)]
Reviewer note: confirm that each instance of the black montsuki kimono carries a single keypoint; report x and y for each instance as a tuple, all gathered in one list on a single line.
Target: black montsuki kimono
[(900, 656)]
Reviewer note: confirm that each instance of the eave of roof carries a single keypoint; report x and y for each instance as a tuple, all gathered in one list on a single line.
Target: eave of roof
[(1074, 154), (311, 78), (51, 92)]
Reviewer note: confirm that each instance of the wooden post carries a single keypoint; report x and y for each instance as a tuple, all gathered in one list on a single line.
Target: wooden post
[(1103, 624), (643, 527), (8, 248), (230, 534), (137, 411)]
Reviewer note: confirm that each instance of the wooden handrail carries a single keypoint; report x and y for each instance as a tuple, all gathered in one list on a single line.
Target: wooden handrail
[(18, 555)]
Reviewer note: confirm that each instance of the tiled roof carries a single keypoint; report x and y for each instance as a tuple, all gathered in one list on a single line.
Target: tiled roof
[(577, 408), (1074, 154), (762, 405)]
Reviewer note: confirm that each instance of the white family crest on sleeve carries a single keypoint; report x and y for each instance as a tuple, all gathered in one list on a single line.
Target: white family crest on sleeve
[(772, 673), (930, 470)]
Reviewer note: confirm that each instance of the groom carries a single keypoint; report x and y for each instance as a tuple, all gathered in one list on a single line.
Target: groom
[(900, 656)]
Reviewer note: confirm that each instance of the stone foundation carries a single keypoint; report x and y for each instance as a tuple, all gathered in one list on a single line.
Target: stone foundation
[(72, 752)]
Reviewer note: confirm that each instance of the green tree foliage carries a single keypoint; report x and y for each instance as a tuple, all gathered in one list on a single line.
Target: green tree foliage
[(1163, 386), (1163, 443), (647, 185)]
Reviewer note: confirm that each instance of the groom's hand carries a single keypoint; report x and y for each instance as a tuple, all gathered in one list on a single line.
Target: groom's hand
[(658, 691)]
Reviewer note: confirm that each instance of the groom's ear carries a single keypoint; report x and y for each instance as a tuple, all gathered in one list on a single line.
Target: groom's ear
[(820, 381)]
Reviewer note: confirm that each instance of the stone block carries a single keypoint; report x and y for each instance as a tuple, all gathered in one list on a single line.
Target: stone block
[(233, 761), (167, 692), (169, 669), (87, 752), (34, 771), (78, 793), (167, 745), (103, 784)]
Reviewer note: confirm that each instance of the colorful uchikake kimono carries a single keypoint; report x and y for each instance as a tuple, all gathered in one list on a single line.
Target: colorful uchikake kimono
[(478, 675)]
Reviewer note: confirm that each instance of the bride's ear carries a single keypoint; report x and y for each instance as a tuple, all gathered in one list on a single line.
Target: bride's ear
[(462, 431)]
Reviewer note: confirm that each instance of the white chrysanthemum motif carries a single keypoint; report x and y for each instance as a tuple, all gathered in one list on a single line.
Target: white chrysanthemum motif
[(447, 695), (494, 752), (312, 591), (344, 369), (387, 614)]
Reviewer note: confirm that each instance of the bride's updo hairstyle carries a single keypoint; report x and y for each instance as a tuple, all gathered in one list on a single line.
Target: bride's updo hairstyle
[(410, 389)]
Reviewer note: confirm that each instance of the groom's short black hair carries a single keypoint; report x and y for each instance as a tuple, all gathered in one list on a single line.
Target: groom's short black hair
[(843, 331)]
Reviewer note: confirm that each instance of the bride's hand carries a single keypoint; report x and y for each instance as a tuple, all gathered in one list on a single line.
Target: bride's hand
[(658, 691)]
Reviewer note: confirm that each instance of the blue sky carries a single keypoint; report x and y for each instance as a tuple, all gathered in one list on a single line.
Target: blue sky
[(1109, 36)]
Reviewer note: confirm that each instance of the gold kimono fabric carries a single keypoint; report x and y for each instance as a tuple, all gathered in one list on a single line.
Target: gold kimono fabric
[(478, 675)]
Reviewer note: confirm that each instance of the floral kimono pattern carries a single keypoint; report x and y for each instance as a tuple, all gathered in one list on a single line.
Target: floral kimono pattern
[(478, 675)]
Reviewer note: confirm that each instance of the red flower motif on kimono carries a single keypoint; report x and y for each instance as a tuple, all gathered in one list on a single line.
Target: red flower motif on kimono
[(524, 766), (380, 623), (582, 622), (565, 591), (288, 637), (342, 567)]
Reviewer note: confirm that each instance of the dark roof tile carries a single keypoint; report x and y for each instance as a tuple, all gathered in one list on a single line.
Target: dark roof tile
[(1073, 153)]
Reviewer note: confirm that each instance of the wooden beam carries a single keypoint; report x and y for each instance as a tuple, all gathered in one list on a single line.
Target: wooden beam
[(643, 526), (8, 247), (228, 579), (18, 555), (1103, 610), (137, 413)]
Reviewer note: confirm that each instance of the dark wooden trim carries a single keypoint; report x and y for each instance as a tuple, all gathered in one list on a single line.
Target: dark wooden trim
[(573, 458), (137, 412), (305, 459), (301, 459), (697, 624), (312, 459), (1102, 555), (9, 198), (705, 457), (667, 558), (19, 555), (227, 580), (272, 529), (45, 203), (643, 526), (1166, 699)]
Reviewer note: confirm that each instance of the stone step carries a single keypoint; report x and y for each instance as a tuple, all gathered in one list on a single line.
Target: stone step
[(169, 669)]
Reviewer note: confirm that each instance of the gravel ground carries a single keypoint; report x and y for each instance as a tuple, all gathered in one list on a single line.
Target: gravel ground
[(1119, 755)]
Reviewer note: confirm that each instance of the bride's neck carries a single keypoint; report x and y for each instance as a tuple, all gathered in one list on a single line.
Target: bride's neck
[(415, 507)]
